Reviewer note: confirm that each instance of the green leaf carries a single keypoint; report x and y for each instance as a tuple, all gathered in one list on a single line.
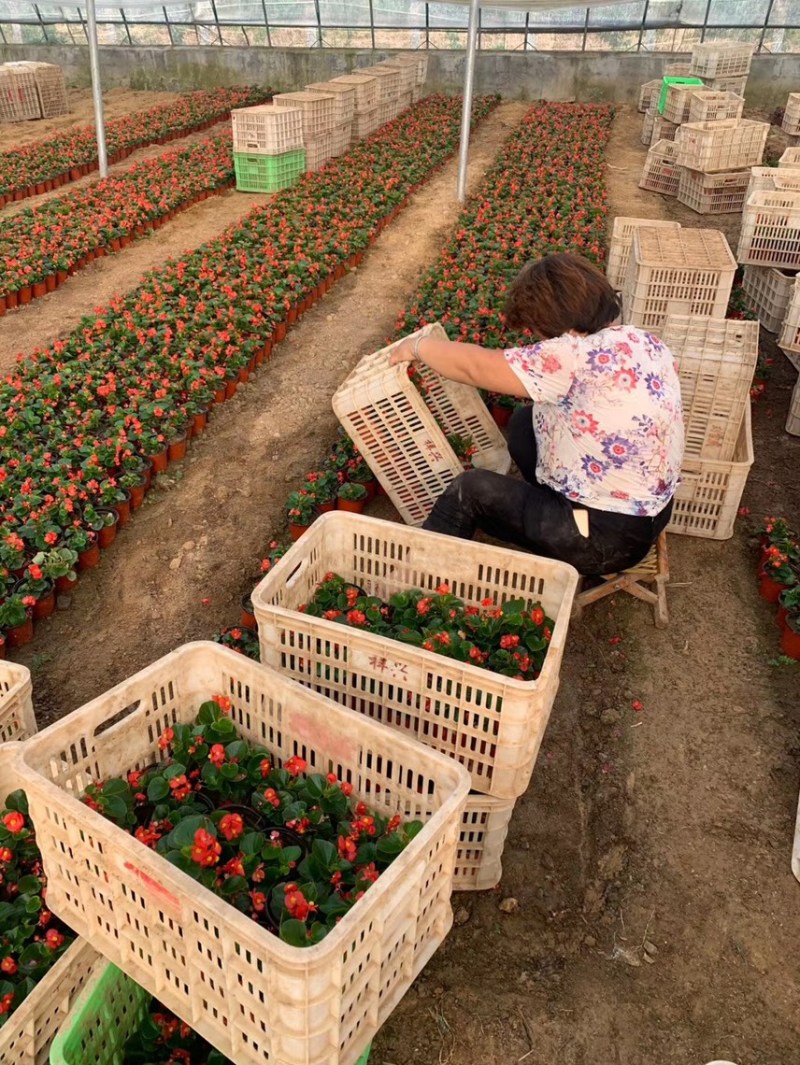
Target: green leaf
[(208, 713), (326, 854), (17, 801), (29, 885), (223, 729), (183, 833), (294, 933), (115, 786), (234, 885), (157, 789), (174, 770)]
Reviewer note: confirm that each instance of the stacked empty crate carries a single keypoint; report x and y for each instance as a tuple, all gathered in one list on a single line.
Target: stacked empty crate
[(716, 361), (389, 81), (19, 99), (789, 342), (344, 102), (791, 115), (268, 151), (365, 111), (51, 90), (317, 109)]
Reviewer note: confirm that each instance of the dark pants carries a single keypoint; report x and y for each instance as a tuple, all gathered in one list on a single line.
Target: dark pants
[(536, 518)]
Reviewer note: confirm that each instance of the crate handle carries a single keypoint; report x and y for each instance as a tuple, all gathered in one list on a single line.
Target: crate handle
[(111, 723), (690, 476), (296, 573)]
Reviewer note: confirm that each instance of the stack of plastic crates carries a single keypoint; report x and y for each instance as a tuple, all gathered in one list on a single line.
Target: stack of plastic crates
[(723, 65), (678, 99), (50, 87), (715, 158), (492, 724), (688, 271), (389, 81), (344, 103), (318, 109), (709, 106), (252, 995), (657, 128), (661, 172), (19, 98), (365, 110), (716, 361), (619, 249), (772, 178), (268, 149), (790, 159)]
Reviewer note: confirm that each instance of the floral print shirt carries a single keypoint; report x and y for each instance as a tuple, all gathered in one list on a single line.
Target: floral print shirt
[(607, 417)]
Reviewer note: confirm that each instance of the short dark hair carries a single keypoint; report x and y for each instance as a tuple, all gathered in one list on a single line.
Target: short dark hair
[(559, 293)]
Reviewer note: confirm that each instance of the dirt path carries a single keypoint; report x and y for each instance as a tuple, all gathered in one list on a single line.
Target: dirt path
[(116, 103), (201, 536)]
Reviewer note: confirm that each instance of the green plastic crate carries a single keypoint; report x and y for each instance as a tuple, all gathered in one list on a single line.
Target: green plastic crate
[(105, 1016), (665, 84), (268, 173)]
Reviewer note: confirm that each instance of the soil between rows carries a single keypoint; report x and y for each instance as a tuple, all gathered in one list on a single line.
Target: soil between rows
[(671, 826)]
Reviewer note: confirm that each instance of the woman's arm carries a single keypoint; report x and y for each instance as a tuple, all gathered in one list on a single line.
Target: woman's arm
[(467, 363)]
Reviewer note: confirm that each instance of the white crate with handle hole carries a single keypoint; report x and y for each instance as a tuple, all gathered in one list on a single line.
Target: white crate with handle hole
[(403, 436)]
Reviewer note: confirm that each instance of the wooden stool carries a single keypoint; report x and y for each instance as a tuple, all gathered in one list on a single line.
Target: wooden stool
[(653, 569)]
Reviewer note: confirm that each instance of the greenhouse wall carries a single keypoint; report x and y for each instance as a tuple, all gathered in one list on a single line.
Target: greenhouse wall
[(550, 76)]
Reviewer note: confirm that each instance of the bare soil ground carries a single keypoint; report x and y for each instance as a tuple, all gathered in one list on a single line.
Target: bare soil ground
[(116, 103), (671, 826)]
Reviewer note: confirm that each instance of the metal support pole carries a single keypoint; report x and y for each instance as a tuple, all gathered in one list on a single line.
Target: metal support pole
[(644, 23), (3, 34), (372, 24), (585, 30), (527, 25), (125, 24), (97, 92), (169, 27), (216, 20), (41, 23), (319, 23), (427, 27), (244, 32), (764, 27), (705, 21), (83, 24), (266, 22), (466, 111)]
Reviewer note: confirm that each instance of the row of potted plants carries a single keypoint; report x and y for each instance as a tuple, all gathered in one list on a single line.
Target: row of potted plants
[(46, 164), (545, 193), (85, 425), (779, 579), (42, 246)]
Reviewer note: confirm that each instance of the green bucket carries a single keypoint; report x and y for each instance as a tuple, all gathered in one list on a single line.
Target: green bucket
[(665, 84), (105, 1016)]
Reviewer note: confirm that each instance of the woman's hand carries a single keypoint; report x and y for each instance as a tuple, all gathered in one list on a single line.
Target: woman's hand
[(404, 352)]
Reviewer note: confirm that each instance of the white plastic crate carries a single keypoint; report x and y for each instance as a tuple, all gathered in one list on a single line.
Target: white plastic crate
[(731, 144), (648, 124), (716, 362), (17, 720), (397, 432), (790, 160), (366, 89), (791, 115), (490, 723), (481, 840), (722, 59), (768, 292), (676, 70), (663, 129), (417, 93), (789, 339), (316, 107), (405, 100), (619, 249), (388, 82), (267, 130), (417, 59), (770, 233), (364, 123), (407, 72), (708, 497), (243, 989), (387, 110), (709, 106), (734, 85), (770, 178), (661, 172), (344, 102), (685, 272), (50, 86), (19, 98), (648, 93), (678, 101), (319, 150), (341, 137), (26, 1036), (722, 193)]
